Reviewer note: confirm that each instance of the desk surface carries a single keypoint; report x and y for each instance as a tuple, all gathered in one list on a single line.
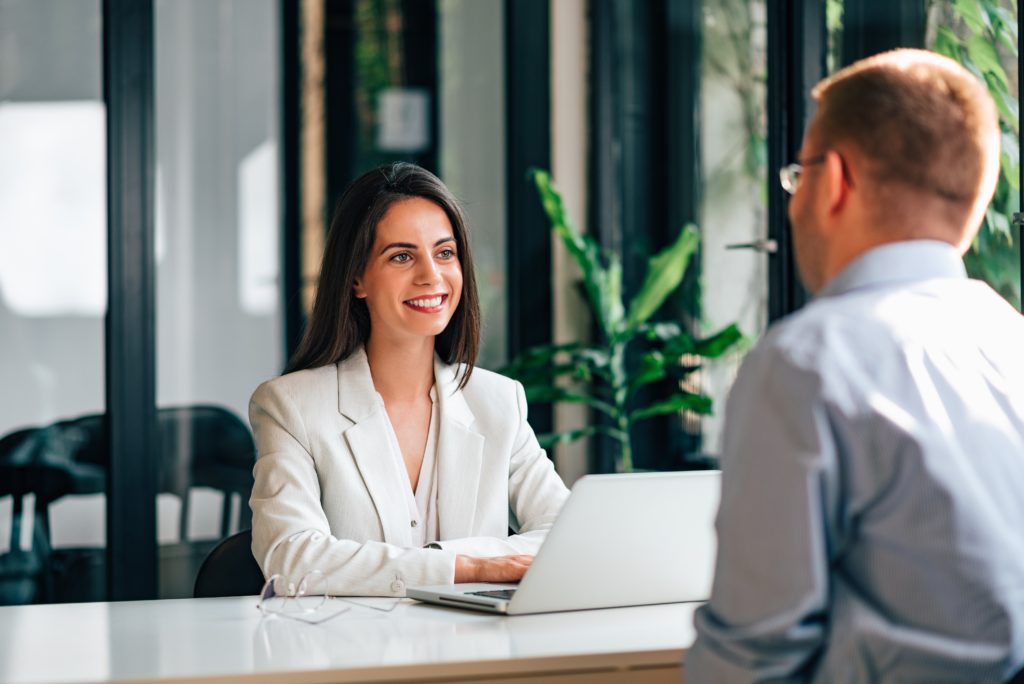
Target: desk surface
[(201, 639)]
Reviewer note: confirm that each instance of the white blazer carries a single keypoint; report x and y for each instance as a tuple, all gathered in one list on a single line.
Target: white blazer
[(328, 495)]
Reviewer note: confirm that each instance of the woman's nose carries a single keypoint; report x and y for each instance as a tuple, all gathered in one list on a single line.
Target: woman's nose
[(428, 271)]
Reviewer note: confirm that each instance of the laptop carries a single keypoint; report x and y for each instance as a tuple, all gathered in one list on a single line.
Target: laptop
[(620, 540)]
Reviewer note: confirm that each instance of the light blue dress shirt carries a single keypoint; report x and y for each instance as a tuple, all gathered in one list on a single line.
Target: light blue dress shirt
[(871, 526)]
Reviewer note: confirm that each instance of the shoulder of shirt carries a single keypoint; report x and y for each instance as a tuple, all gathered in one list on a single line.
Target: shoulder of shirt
[(825, 328)]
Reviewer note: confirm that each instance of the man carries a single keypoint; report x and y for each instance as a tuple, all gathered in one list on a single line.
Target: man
[(871, 526)]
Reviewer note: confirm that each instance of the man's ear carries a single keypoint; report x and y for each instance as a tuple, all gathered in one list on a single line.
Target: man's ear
[(838, 184)]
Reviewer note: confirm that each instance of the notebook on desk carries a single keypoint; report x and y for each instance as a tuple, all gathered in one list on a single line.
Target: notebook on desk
[(620, 540)]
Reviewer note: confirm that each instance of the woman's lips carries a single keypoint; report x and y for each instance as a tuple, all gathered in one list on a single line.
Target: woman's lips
[(430, 304)]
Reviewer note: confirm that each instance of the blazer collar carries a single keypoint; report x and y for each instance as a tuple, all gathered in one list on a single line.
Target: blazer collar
[(453, 403), (358, 398)]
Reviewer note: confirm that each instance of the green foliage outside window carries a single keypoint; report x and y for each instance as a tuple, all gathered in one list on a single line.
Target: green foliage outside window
[(982, 35)]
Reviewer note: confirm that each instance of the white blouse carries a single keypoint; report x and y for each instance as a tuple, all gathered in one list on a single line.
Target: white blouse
[(422, 505)]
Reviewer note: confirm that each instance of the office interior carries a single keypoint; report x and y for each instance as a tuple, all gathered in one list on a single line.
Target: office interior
[(168, 170)]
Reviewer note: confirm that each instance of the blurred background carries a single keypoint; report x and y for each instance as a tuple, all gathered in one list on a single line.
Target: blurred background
[(168, 169)]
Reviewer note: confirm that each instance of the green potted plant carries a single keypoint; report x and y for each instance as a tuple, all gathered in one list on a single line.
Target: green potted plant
[(600, 374)]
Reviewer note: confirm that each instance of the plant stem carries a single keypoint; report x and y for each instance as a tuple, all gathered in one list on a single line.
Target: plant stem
[(626, 447)]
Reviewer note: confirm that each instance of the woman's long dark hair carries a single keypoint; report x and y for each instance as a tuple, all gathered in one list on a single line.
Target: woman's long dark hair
[(340, 322)]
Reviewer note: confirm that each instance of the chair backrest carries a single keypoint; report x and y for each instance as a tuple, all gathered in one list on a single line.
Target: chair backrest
[(230, 569), (207, 446)]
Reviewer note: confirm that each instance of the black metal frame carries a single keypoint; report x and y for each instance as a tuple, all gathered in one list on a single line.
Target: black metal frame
[(291, 170), (128, 82), (528, 144), (873, 26), (797, 45), (1020, 121)]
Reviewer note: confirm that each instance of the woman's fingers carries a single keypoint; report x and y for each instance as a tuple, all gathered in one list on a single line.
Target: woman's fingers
[(493, 569)]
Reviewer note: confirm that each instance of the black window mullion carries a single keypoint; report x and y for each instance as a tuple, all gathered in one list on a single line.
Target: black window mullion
[(128, 76), (528, 144), (291, 215), (1020, 166), (796, 62)]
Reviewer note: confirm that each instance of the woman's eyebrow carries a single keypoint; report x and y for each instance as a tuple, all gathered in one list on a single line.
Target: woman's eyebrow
[(409, 245)]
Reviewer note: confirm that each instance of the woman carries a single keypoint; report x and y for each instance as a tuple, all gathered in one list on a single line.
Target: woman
[(385, 459)]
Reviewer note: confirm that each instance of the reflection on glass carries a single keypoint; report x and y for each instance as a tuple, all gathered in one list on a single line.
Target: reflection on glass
[(219, 328), (53, 299), (734, 170), (471, 56)]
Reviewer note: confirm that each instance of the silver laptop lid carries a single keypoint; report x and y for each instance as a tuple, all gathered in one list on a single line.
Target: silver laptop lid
[(626, 540)]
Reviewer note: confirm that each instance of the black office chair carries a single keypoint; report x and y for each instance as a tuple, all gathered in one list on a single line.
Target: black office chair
[(230, 569), (199, 446)]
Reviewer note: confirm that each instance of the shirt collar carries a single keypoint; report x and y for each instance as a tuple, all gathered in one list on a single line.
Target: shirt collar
[(898, 262)]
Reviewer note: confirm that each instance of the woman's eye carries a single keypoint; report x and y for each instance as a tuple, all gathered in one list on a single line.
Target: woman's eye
[(401, 257), (446, 253)]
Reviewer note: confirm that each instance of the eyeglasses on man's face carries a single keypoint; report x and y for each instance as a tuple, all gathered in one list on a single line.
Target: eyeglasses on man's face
[(789, 176)]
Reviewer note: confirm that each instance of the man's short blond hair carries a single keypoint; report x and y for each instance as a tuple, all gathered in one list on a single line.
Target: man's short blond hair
[(920, 120)]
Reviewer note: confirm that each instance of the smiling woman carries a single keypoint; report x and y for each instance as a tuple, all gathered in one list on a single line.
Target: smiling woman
[(385, 460)]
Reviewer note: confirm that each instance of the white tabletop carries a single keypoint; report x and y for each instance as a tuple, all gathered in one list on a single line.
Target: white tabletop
[(204, 638)]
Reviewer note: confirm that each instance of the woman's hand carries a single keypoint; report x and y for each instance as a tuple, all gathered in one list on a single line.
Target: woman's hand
[(494, 569)]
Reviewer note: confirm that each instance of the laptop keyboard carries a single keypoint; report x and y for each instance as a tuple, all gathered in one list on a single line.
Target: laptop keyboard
[(494, 593)]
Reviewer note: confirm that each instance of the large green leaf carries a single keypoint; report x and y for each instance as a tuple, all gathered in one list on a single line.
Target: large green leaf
[(1009, 159), (684, 401), (972, 14), (719, 343), (548, 440), (665, 271), (651, 369), (603, 285), (947, 43), (550, 394), (540, 355), (985, 56), (612, 309), (683, 343)]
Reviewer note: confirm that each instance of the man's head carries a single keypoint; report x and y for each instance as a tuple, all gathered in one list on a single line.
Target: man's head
[(904, 145)]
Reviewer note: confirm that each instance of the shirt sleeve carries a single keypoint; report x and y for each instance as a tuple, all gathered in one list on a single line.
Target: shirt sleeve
[(766, 618)]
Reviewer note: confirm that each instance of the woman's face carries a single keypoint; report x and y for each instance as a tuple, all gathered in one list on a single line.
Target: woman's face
[(413, 278)]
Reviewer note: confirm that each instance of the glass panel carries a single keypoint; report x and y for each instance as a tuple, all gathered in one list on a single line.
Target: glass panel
[(471, 58), (424, 82), (983, 37), (53, 299), (734, 157), (219, 322)]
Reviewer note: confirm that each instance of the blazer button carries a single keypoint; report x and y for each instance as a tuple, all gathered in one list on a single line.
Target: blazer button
[(413, 523)]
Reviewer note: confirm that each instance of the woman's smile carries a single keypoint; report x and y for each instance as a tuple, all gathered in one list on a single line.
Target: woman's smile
[(428, 304)]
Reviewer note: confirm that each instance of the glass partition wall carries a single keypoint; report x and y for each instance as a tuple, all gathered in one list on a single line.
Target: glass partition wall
[(53, 298), (218, 253)]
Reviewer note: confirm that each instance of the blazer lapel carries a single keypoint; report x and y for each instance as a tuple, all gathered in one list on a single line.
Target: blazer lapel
[(367, 439), (459, 454)]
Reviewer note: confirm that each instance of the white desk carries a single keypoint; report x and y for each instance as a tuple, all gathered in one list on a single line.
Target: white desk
[(226, 639)]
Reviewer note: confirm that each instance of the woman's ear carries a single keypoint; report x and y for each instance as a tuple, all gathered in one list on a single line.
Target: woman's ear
[(358, 290)]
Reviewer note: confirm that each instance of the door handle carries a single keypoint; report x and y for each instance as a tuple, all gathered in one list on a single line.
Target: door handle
[(763, 246)]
